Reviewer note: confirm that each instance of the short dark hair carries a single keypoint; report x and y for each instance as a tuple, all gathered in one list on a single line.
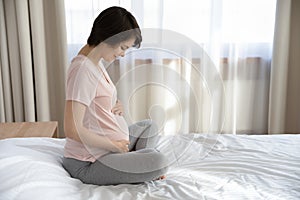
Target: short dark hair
[(114, 25)]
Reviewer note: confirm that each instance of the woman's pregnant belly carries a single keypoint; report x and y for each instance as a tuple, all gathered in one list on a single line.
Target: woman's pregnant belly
[(123, 127), (107, 123)]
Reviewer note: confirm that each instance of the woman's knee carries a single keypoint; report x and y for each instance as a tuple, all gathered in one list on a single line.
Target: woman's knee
[(148, 124), (145, 122)]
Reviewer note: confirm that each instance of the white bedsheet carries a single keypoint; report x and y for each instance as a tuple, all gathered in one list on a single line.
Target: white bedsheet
[(204, 166)]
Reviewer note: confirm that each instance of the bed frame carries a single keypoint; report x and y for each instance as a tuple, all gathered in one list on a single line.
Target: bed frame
[(28, 129)]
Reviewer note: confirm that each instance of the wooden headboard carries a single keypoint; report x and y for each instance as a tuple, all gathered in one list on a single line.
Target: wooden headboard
[(28, 129)]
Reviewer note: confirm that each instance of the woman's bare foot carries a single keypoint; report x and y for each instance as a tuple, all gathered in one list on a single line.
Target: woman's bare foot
[(161, 177)]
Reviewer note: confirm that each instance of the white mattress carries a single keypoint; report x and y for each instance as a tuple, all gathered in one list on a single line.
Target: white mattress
[(205, 166)]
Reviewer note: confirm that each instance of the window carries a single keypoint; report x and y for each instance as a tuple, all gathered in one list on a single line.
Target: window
[(204, 21)]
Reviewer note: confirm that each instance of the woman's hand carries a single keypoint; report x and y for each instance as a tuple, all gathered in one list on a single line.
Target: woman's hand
[(120, 146), (118, 108)]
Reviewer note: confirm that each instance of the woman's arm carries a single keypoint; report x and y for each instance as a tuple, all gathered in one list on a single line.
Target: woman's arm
[(74, 129)]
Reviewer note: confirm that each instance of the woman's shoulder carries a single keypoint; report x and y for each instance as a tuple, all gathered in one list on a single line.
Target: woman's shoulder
[(79, 60), (81, 64)]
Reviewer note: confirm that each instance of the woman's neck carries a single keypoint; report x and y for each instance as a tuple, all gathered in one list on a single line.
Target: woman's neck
[(89, 51)]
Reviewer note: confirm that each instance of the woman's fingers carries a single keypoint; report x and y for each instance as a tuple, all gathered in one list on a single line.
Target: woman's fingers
[(120, 146), (117, 112), (125, 145), (118, 108), (125, 141)]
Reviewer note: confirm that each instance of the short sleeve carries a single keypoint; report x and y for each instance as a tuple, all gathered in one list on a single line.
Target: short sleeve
[(81, 85)]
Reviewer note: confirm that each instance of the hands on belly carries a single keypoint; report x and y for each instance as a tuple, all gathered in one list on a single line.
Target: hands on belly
[(118, 108), (121, 146)]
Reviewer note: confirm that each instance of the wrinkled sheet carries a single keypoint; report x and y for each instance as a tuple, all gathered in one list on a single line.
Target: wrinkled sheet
[(202, 166)]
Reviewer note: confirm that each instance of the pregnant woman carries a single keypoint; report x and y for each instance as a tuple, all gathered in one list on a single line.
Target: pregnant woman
[(100, 147)]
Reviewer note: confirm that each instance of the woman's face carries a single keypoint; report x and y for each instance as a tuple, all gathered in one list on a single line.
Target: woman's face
[(113, 52)]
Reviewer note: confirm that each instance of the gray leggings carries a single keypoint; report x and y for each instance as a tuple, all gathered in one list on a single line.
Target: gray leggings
[(142, 163)]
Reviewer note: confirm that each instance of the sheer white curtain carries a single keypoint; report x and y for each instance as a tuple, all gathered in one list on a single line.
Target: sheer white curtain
[(204, 65)]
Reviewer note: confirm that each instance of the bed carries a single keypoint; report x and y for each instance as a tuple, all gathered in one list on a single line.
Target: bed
[(202, 166)]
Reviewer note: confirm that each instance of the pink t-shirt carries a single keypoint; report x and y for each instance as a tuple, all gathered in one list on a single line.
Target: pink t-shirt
[(91, 85)]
